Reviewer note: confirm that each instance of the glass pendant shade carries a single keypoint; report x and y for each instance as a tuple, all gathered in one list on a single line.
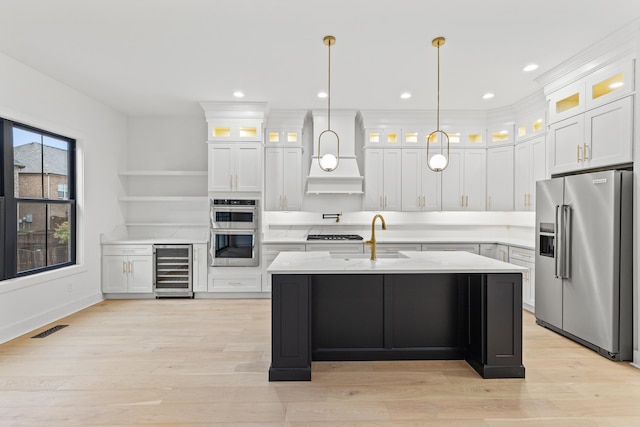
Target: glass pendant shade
[(328, 162), (438, 162)]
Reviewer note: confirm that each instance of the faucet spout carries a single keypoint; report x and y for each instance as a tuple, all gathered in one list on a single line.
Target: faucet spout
[(372, 242)]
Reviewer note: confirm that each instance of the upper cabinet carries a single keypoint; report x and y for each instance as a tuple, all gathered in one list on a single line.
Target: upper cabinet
[(530, 167), (421, 186), (464, 180), (235, 130), (391, 138), (382, 179), (235, 167), (500, 178), (283, 179)]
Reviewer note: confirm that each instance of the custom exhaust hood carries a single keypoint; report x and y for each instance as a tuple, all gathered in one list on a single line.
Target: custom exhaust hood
[(346, 178)]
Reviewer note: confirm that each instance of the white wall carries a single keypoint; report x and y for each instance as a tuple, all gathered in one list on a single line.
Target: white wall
[(30, 97)]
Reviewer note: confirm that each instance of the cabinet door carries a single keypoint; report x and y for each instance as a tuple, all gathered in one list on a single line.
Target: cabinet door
[(566, 140), (392, 180), (475, 178), (220, 168), (452, 182), (248, 165), (522, 180), (114, 274), (502, 253), (374, 179), (609, 134), (199, 267), (500, 179), (274, 176), (412, 179), (431, 186), (140, 277), (292, 181), (538, 167)]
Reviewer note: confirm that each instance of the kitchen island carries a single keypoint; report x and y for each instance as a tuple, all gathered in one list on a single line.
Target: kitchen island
[(412, 306)]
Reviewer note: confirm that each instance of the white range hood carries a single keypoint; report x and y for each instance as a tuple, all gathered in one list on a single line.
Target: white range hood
[(346, 178)]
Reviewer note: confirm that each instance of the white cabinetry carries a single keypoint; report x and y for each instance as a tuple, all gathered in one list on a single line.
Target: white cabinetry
[(337, 248), (495, 251), (525, 258), (200, 263), (500, 178), (235, 280), (127, 269), (464, 180), (382, 178), (600, 137), (283, 179), (420, 185), (383, 249), (235, 167), (530, 167)]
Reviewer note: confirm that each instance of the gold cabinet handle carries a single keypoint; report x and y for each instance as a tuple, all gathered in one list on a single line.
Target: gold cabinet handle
[(236, 182), (424, 201), (285, 201), (579, 159), (529, 198), (385, 201), (230, 182), (584, 152), (124, 267), (462, 200), (489, 201), (129, 266), (467, 201)]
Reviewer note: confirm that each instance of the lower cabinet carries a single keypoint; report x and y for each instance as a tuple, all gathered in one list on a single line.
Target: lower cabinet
[(525, 258), (200, 267), (495, 251), (269, 253), (392, 249), (235, 280), (336, 248), (127, 269)]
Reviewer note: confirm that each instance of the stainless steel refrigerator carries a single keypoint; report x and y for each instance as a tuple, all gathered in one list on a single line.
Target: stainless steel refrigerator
[(584, 270)]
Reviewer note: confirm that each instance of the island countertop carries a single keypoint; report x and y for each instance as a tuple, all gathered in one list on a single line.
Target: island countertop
[(403, 262)]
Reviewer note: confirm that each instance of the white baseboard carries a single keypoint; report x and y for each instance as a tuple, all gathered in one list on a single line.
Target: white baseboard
[(25, 326)]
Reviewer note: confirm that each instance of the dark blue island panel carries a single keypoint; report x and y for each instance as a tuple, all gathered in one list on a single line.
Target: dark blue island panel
[(334, 317)]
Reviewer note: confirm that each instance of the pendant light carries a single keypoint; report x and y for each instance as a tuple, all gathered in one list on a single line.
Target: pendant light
[(438, 162), (329, 162)]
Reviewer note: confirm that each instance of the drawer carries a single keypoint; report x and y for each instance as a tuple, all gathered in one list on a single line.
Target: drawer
[(395, 247), (467, 247), (526, 255), (336, 248), (252, 283), (127, 250), (268, 249)]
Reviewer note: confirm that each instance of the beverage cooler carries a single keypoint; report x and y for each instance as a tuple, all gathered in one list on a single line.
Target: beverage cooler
[(173, 271)]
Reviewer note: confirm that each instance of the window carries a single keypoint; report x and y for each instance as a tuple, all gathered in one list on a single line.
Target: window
[(37, 200)]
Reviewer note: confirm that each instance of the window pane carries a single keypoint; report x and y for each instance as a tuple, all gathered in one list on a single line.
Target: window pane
[(59, 238), (32, 236), (56, 166), (27, 163)]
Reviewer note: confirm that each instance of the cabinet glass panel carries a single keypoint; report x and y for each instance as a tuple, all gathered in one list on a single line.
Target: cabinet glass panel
[(568, 103), (607, 86), (522, 131), (374, 137), (221, 132), (392, 137), (411, 137), (248, 132), (499, 136), (537, 125), (292, 137), (274, 137), (475, 138)]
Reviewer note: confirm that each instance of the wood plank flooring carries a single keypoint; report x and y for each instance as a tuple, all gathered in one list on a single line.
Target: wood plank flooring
[(204, 363)]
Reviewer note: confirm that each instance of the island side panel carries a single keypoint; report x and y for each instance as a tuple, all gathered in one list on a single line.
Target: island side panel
[(290, 328), (502, 323)]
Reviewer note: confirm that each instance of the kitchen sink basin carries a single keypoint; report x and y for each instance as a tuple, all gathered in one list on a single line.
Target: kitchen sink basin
[(347, 257)]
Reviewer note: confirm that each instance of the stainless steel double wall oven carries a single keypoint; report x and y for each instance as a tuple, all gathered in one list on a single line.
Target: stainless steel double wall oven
[(234, 232)]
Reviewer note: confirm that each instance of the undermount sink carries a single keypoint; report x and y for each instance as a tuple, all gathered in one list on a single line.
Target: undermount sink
[(347, 257)]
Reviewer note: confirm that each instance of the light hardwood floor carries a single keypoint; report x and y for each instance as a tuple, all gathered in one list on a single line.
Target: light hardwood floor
[(205, 362)]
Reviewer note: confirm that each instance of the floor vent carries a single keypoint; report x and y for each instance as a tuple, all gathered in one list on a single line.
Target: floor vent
[(49, 331)]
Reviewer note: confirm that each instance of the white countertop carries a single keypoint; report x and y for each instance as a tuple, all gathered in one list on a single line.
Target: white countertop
[(380, 238), (406, 262), (155, 241)]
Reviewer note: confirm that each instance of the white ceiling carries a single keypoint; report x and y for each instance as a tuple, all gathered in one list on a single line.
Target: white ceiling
[(161, 57)]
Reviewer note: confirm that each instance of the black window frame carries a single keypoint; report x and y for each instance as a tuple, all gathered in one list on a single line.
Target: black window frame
[(9, 203)]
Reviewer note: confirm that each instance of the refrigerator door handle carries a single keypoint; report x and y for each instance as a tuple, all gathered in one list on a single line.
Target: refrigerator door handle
[(557, 238), (563, 226)]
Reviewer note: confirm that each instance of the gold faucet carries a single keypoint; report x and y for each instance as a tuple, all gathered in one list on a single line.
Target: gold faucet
[(372, 242)]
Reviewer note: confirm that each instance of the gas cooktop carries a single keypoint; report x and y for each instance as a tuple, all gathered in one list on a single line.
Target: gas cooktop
[(334, 237)]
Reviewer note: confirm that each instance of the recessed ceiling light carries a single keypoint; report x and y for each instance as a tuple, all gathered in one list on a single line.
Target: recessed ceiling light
[(530, 67), (488, 95), (238, 94), (405, 95), (322, 94)]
